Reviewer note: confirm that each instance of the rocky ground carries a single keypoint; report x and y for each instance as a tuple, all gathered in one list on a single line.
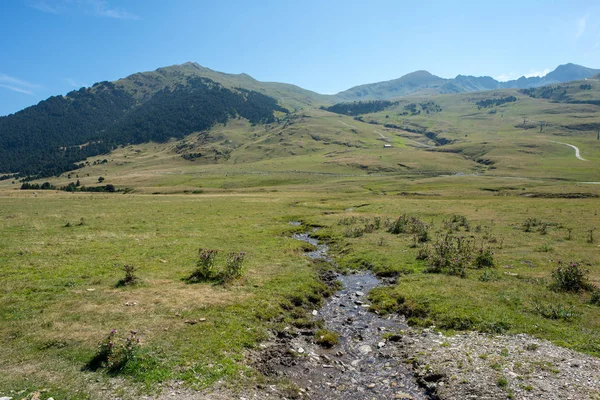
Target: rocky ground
[(479, 366)]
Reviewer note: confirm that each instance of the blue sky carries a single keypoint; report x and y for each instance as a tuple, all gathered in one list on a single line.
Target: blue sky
[(51, 47)]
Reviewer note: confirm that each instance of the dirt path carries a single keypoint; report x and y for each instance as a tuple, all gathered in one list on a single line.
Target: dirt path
[(574, 147), (380, 134), (349, 126)]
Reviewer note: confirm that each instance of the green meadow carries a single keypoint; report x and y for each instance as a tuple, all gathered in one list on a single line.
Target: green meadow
[(62, 254)]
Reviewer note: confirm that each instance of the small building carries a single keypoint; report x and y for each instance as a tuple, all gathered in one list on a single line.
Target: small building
[(387, 146)]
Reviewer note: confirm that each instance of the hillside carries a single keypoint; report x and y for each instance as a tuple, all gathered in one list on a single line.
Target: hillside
[(54, 135), (144, 84), (422, 82), (58, 134)]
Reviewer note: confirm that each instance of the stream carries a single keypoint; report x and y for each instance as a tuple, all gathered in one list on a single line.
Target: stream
[(365, 363)]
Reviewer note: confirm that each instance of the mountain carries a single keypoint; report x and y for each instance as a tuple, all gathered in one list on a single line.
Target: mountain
[(59, 133), (569, 72), (144, 84), (403, 86), (56, 134), (422, 82)]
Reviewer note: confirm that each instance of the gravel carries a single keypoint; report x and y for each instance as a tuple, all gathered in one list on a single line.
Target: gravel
[(479, 366)]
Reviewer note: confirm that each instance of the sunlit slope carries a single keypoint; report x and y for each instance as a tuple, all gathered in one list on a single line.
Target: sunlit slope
[(517, 138), (145, 84), (525, 138)]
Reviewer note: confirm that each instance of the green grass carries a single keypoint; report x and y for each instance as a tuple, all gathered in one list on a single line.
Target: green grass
[(58, 284), (517, 300), (59, 296)]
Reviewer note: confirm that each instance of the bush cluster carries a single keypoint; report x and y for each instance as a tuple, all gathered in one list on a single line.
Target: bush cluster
[(206, 266), (570, 278), (454, 254), (411, 225)]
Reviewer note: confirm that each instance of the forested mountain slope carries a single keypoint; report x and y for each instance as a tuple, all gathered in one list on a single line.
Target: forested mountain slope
[(54, 135)]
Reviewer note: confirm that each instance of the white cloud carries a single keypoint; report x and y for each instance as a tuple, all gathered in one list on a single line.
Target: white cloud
[(506, 77), (101, 8), (581, 24), (43, 6), (538, 73), (17, 85), (96, 8), (512, 75), (15, 89), (75, 84)]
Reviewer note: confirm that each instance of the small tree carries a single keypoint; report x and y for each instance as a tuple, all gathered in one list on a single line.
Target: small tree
[(130, 277)]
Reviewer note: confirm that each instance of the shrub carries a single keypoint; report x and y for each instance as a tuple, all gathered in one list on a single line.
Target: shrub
[(451, 255), (456, 222), (488, 276), (205, 265), (531, 223), (130, 277), (595, 299), (485, 258), (354, 232), (556, 311), (570, 278), (326, 338), (377, 222), (347, 221), (234, 265), (369, 227), (114, 353), (411, 225)]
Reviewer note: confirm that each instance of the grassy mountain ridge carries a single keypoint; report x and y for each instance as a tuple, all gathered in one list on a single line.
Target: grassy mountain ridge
[(64, 130), (422, 82), (144, 84)]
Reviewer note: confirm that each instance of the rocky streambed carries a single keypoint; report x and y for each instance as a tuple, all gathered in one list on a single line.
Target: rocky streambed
[(364, 364)]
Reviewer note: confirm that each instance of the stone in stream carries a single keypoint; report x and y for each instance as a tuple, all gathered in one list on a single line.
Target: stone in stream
[(365, 349)]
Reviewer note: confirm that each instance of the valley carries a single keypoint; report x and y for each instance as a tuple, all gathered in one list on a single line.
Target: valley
[(504, 186)]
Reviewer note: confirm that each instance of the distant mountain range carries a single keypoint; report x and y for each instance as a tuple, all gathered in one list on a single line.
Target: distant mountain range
[(422, 82)]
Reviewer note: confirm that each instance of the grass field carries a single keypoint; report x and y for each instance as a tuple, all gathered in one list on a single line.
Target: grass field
[(61, 253)]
